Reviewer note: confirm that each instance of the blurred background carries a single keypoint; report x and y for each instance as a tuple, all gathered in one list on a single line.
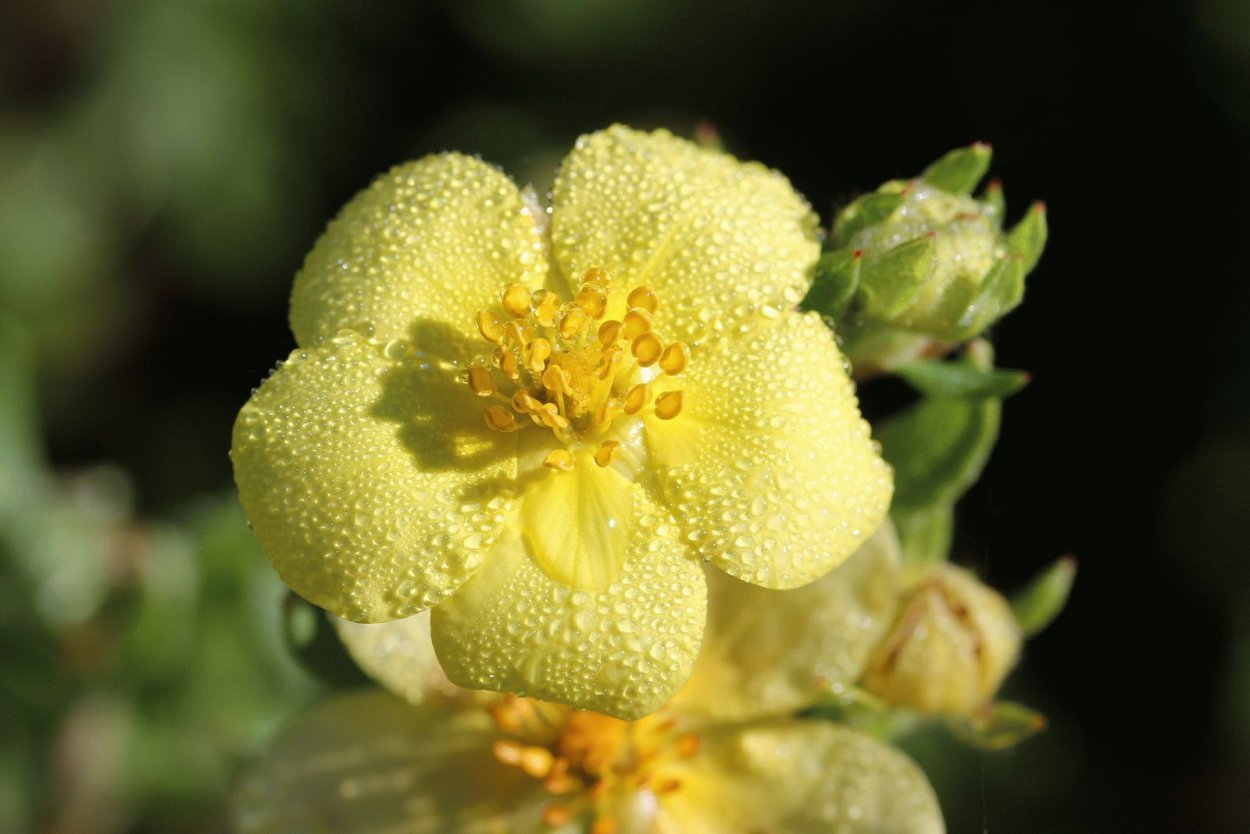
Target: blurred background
[(165, 165)]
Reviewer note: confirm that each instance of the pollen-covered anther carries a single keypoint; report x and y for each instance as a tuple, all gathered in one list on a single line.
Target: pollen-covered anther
[(536, 761), (508, 751), (507, 362), (647, 349), (636, 322), (607, 452), (609, 333), (516, 300), (675, 358), (688, 744), (547, 308), (572, 321), (524, 403), (644, 298), (539, 352), (490, 326), (501, 419), (668, 405), (560, 460), (482, 381), (593, 301), (637, 397), (520, 331), (557, 815)]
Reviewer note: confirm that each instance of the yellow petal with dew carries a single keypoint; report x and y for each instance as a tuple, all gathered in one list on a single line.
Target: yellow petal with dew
[(770, 469), (426, 246), (772, 652), (370, 479), (577, 523), (718, 241), (370, 762), (798, 777), (623, 651), (399, 655)]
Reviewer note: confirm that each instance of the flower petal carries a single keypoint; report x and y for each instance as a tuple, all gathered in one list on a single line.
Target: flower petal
[(798, 776), (772, 652), (398, 655), (623, 652), (369, 762), (433, 240), (718, 240), (770, 467), (577, 523), (372, 482)]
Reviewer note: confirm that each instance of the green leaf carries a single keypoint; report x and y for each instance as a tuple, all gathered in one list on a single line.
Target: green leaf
[(961, 379), (1038, 603), (925, 534), (1028, 238), (889, 282), (938, 448), (998, 727), (834, 284), (866, 210), (316, 645), (959, 171)]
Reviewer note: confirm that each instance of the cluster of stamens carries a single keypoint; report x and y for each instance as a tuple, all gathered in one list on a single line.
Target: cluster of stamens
[(583, 757), (564, 367)]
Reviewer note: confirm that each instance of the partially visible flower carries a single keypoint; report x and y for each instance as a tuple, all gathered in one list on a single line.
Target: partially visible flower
[(542, 432), (953, 643), (726, 755)]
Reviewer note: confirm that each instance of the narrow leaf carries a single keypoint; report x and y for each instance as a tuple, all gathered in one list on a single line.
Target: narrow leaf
[(999, 726), (960, 170), (1038, 603), (961, 379), (1028, 238)]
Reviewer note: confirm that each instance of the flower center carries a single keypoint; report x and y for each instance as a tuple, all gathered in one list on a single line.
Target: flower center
[(591, 764), (564, 367)]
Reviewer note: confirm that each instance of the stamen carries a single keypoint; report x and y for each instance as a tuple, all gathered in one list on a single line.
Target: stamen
[(500, 418), (607, 453), (688, 744), (597, 278), (523, 403), (536, 761), (647, 349), (559, 459), (508, 751), (592, 301), (481, 381), (557, 815), (667, 786), (637, 398), (636, 322), (572, 321), (508, 363), (668, 405), (610, 363), (516, 300), (676, 357), (539, 351), (644, 298), (546, 308), (490, 326), (521, 331), (609, 332)]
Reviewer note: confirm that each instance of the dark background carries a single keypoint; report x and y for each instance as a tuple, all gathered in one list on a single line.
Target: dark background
[(164, 166)]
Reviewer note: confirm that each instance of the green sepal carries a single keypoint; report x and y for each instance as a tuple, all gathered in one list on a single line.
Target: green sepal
[(999, 726), (834, 283), (959, 171), (992, 195), (1028, 238), (925, 534), (866, 210), (1000, 291), (889, 283), (934, 378), (313, 642), (1037, 604)]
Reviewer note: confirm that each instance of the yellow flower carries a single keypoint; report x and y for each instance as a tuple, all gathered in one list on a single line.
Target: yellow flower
[(540, 426), (725, 756)]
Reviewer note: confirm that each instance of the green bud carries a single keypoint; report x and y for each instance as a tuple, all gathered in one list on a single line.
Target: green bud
[(998, 726), (1038, 603), (937, 265)]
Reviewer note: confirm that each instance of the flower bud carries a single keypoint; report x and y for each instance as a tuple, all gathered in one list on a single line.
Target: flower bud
[(922, 261), (950, 648)]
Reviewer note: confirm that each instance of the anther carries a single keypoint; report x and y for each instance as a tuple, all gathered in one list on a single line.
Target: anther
[(609, 364), (636, 322), (507, 362), (521, 331), (572, 321), (508, 751), (687, 745), (550, 417), (675, 358), (609, 332), (644, 298), (667, 786), (647, 349), (516, 300), (607, 453), (592, 301), (536, 761), (557, 815), (546, 308), (668, 405), (500, 418), (481, 381), (555, 380), (560, 460), (490, 326), (637, 398), (523, 403), (539, 350), (596, 277)]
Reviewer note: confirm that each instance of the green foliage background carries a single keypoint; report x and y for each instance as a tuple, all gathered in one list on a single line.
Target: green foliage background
[(164, 166)]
